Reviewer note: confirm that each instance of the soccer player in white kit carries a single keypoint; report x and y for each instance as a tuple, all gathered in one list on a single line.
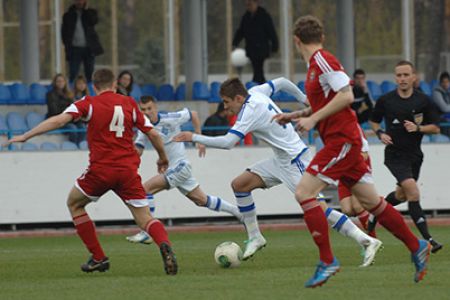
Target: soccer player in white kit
[(179, 174), (255, 111)]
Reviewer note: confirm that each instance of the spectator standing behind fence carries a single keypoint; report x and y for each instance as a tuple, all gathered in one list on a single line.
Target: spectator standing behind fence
[(125, 82), (257, 29), (441, 97), (80, 38), (363, 104), (218, 119), (58, 99)]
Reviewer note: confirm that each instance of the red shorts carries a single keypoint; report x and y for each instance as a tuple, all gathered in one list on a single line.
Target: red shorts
[(340, 162), (344, 191), (126, 183)]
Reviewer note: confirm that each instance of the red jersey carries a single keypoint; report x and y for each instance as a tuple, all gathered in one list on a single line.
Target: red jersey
[(111, 118), (324, 79)]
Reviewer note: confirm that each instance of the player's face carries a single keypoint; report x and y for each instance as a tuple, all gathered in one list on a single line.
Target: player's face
[(404, 77), (232, 106), (149, 109)]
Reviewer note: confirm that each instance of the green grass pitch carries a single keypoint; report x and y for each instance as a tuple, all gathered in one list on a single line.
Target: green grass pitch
[(48, 268)]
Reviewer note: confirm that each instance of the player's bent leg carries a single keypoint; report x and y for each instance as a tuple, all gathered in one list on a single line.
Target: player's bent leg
[(213, 203), (316, 222), (85, 228), (158, 233), (156, 184), (242, 187)]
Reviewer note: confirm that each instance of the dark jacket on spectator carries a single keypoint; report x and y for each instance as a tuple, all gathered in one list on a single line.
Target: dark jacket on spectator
[(57, 103), (89, 19), (259, 34), (215, 120), (362, 105)]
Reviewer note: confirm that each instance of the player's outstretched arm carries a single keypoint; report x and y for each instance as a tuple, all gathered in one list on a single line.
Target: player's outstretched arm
[(285, 118), (155, 139), (198, 130), (341, 100), (221, 142), (52, 123)]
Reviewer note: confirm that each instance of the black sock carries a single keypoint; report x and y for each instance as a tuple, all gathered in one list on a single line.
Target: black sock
[(416, 212), (392, 200), (372, 223)]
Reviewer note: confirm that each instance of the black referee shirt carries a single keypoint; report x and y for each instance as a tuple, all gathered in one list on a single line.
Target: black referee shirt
[(418, 109)]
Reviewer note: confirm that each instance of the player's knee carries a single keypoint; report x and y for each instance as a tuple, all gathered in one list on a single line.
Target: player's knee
[(348, 211), (238, 186)]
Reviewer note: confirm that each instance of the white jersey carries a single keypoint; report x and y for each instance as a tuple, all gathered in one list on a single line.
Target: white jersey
[(256, 117), (168, 126)]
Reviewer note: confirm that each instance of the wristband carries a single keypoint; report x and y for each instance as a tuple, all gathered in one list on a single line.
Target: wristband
[(379, 132)]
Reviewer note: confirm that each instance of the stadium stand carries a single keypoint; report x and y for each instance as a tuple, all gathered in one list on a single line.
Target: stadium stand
[(165, 93), (20, 93), (49, 146), (440, 138), (180, 93), (38, 94), (16, 122), (27, 146), (284, 97), (136, 92), (91, 88), (425, 87), (67, 145), (426, 139), (3, 126), (34, 119), (200, 91), (387, 86), (374, 89), (148, 90), (5, 94), (83, 145), (250, 84), (215, 93)]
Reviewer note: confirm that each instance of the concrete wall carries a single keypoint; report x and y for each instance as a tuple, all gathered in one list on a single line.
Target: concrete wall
[(34, 185)]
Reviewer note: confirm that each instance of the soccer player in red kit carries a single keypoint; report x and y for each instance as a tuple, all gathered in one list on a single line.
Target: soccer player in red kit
[(113, 165), (330, 95)]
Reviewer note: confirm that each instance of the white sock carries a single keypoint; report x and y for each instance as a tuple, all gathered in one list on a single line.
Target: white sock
[(218, 204), (248, 210), (151, 203), (342, 224)]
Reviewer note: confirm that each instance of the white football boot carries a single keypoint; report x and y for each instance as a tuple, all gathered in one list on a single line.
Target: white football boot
[(140, 238), (253, 245), (370, 251)]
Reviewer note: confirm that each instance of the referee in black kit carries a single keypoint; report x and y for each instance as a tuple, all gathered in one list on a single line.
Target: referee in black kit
[(408, 114)]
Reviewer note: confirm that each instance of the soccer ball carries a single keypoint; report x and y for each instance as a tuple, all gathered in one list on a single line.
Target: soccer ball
[(228, 255), (238, 58)]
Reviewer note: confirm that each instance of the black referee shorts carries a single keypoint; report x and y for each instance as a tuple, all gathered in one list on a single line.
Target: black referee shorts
[(402, 166)]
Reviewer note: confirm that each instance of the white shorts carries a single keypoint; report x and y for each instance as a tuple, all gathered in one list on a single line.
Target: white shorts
[(180, 177), (273, 172)]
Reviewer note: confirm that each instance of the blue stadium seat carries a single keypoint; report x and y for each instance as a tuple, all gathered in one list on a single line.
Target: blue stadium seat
[(282, 96), (425, 87), (38, 94), (149, 90), (187, 126), (83, 145), (180, 93), (66, 145), (250, 84), (49, 146), (215, 93), (426, 139), (301, 86), (441, 138), (5, 94), (165, 93), (27, 146), (34, 119), (365, 126), (200, 91), (16, 122), (387, 86), (433, 84), (136, 92), (20, 93), (3, 125), (91, 88), (318, 143), (373, 140), (374, 89)]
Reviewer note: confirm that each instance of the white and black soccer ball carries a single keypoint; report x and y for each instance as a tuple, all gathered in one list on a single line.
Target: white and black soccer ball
[(228, 255), (238, 58)]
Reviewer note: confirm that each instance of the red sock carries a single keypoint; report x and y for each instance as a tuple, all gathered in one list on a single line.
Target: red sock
[(393, 221), (363, 218), (86, 231), (318, 227), (157, 231)]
